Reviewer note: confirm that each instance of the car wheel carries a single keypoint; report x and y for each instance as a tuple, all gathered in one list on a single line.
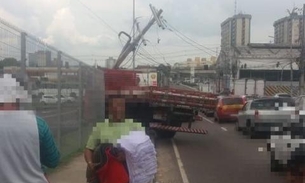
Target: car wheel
[(237, 127), (251, 132), (215, 117)]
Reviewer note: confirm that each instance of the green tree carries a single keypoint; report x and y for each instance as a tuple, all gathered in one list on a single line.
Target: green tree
[(9, 62)]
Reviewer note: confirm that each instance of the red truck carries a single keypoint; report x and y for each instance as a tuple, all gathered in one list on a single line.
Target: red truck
[(162, 109)]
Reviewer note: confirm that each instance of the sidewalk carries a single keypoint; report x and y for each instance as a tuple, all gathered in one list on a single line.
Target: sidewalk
[(73, 172), (168, 170)]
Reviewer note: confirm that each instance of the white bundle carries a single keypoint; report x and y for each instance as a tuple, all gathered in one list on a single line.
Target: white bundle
[(140, 156)]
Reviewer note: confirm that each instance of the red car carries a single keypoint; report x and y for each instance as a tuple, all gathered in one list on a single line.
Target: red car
[(228, 108)]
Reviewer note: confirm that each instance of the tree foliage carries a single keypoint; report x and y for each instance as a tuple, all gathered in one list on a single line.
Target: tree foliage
[(9, 62)]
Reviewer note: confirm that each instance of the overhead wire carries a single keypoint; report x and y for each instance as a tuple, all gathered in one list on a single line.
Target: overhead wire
[(190, 43), (188, 37), (148, 55), (97, 16), (147, 59), (135, 53)]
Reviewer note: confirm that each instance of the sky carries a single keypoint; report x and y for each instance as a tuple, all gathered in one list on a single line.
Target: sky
[(88, 30)]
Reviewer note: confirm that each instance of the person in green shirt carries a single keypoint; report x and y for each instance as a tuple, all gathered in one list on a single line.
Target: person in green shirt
[(109, 131)]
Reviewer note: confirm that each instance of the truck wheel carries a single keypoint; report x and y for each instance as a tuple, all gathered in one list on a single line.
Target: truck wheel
[(172, 121), (165, 134)]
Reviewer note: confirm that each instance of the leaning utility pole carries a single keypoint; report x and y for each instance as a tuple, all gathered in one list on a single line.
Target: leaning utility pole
[(129, 47), (302, 58)]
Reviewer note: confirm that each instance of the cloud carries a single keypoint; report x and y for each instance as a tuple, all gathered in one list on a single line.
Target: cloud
[(63, 27)]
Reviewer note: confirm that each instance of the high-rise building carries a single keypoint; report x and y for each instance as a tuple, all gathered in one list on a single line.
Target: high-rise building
[(235, 31), (110, 62), (40, 59), (288, 30)]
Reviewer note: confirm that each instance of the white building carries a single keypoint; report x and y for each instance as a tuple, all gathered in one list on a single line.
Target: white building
[(288, 30), (40, 59), (110, 62), (235, 31)]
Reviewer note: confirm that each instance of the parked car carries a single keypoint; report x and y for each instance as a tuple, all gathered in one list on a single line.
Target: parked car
[(52, 99), (265, 115), (48, 99), (227, 108), (285, 95)]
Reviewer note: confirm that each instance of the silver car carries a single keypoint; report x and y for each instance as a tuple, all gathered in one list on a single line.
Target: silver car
[(266, 115)]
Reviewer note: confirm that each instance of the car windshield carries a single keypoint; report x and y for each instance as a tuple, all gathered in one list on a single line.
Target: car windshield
[(232, 101), (271, 104)]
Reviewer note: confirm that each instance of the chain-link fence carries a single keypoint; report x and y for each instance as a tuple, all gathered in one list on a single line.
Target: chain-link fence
[(67, 93)]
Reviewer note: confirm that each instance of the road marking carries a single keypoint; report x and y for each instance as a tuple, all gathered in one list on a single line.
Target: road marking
[(208, 120), (180, 164), (260, 149), (224, 129)]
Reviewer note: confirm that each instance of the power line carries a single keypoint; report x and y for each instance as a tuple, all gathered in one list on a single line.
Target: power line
[(189, 42), (156, 48), (135, 54), (188, 37), (149, 56), (145, 58), (97, 16)]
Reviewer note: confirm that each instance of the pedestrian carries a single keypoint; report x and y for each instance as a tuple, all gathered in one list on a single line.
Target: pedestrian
[(27, 144), (103, 146)]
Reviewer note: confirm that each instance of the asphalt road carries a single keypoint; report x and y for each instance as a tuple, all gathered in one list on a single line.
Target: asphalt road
[(222, 156)]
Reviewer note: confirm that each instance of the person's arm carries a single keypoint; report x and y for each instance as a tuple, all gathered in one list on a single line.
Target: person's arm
[(88, 153), (49, 153)]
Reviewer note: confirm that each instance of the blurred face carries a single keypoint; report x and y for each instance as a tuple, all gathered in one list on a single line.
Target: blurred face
[(117, 110), (8, 106)]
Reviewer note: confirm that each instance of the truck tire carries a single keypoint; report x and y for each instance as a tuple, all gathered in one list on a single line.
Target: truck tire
[(162, 134), (173, 120)]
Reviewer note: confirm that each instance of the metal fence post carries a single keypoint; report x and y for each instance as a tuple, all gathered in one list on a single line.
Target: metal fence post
[(23, 66), (103, 93), (59, 98), (23, 54), (80, 103)]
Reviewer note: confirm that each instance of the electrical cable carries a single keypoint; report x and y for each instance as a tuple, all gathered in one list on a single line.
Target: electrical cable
[(187, 37), (188, 41), (148, 58), (97, 16)]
